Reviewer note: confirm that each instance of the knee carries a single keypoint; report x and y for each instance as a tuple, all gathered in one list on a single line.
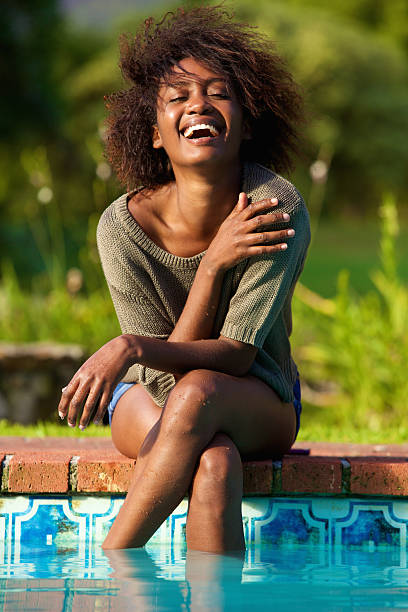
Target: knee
[(191, 403), (218, 479)]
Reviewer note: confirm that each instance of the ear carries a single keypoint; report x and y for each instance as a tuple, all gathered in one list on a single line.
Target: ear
[(156, 138)]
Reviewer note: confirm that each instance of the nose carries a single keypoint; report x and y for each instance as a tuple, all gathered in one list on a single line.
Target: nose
[(198, 103)]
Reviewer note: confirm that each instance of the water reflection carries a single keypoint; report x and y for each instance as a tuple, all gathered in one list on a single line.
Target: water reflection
[(165, 578), (203, 587)]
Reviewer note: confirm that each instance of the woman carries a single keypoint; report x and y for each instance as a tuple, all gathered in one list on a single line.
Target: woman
[(201, 263)]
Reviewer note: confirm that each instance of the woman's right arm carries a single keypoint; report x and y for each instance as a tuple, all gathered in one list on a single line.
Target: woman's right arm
[(236, 240)]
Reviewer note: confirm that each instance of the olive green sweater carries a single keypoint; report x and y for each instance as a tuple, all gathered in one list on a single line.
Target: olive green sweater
[(149, 287)]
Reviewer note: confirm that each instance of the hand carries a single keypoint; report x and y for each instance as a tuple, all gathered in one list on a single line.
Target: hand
[(92, 386), (238, 237)]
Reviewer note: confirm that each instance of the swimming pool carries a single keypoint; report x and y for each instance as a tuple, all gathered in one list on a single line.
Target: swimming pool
[(165, 577), (316, 553)]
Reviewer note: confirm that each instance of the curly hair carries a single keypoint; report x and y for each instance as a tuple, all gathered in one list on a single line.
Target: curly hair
[(270, 99)]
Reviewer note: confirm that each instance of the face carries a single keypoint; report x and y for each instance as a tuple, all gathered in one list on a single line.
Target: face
[(199, 119)]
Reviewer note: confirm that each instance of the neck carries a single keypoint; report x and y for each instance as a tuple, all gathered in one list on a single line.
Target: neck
[(201, 201)]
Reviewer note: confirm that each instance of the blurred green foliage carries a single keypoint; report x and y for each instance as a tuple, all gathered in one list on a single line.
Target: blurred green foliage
[(358, 344), (355, 81), (350, 56)]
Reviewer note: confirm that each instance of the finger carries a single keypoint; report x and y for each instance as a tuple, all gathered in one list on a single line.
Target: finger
[(242, 202), (91, 401), (67, 394), (261, 205), (268, 219), (260, 237), (103, 404), (266, 249), (76, 404)]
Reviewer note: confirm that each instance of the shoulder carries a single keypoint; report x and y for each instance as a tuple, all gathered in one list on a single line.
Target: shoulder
[(109, 222), (261, 183), (117, 226), (118, 237), (119, 247)]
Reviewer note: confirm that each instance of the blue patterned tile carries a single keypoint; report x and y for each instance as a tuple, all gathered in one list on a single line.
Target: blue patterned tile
[(373, 526), (321, 525), (312, 529), (289, 522)]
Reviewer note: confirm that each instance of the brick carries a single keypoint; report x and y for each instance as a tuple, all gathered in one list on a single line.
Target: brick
[(311, 475), (344, 449), (104, 472), (378, 476), (35, 472), (258, 477), (14, 444)]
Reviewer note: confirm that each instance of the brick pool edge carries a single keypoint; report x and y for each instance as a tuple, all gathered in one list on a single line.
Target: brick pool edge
[(94, 466)]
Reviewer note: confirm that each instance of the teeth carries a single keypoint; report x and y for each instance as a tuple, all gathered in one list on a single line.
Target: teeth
[(200, 126)]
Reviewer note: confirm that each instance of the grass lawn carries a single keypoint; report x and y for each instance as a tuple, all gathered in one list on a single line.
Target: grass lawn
[(44, 429), (324, 432), (353, 245), (311, 430)]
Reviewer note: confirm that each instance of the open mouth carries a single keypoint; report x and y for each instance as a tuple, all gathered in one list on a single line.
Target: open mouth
[(201, 130)]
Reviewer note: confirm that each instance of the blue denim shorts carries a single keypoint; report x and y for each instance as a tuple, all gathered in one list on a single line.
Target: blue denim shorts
[(120, 389), (123, 387)]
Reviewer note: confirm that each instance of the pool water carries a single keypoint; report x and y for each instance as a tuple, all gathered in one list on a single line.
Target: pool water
[(167, 577)]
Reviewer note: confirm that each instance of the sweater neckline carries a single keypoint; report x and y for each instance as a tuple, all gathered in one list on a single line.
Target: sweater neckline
[(132, 227)]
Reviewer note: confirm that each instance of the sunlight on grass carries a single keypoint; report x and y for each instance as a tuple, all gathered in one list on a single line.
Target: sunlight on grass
[(323, 432), (45, 429), (309, 432)]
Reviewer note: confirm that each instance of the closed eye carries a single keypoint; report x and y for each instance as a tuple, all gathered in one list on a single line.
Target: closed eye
[(178, 99), (223, 96)]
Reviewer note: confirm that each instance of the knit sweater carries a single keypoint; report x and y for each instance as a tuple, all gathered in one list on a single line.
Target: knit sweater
[(149, 287)]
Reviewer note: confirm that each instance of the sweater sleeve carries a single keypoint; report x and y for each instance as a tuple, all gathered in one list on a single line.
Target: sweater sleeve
[(138, 316), (267, 282), (136, 310)]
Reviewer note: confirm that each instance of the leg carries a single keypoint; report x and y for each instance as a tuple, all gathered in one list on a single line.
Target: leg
[(135, 414), (214, 520), (202, 404), (216, 492)]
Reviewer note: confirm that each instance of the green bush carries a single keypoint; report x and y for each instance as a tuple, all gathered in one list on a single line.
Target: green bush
[(359, 343), (59, 316)]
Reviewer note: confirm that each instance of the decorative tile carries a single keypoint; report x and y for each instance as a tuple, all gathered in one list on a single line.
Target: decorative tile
[(372, 525), (316, 529)]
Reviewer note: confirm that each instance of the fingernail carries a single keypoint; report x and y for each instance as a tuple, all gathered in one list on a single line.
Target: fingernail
[(82, 427), (284, 247), (274, 200), (71, 424), (286, 217), (97, 422), (61, 414), (291, 232)]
